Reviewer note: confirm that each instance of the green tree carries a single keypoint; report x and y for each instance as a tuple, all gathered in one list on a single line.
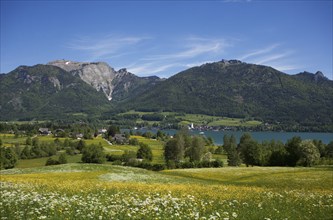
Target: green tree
[(160, 134), (170, 149), (250, 150), (36, 151), (278, 154), (26, 153), (144, 152), (128, 155), (80, 145), (292, 148), (93, 154), (309, 153), (321, 147), (197, 150), (329, 150), (112, 131), (133, 141), (28, 141), (8, 158), (62, 158), (232, 153), (35, 142)]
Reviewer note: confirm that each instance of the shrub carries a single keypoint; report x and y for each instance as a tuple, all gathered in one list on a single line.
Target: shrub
[(93, 154), (51, 161)]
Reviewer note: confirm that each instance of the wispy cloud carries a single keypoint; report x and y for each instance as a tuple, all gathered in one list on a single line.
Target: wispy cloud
[(104, 47), (272, 55), (259, 51), (185, 53), (147, 55), (193, 47), (149, 69)]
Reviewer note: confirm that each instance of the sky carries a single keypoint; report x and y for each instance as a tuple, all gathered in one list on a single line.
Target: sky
[(163, 38)]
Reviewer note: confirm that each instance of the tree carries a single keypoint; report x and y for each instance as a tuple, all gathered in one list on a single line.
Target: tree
[(232, 152), (144, 152), (250, 150), (80, 145), (133, 141), (278, 154), (309, 154), (28, 141), (148, 134), (112, 131), (321, 147), (62, 158), (35, 142), (26, 153), (170, 149), (8, 158), (197, 150), (174, 149), (93, 154), (160, 134), (128, 155), (292, 148), (329, 150)]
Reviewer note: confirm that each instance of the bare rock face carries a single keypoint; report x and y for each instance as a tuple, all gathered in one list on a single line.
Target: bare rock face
[(97, 74)]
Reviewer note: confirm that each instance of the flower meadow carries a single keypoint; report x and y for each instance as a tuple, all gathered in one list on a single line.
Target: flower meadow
[(82, 191)]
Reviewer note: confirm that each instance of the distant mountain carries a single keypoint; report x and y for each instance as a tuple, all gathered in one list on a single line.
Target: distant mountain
[(47, 92), (66, 89), (116, 85), (236, 89)]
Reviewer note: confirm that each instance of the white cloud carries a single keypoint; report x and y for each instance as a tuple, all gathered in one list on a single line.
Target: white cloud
[(192, 48), (104, 47), (151, 56), (148, 69), (187, 52), (259, 51), (273, 55)]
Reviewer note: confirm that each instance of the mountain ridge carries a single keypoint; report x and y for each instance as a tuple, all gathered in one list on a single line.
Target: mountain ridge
[(103, 77), (237, 89), (226, 88)]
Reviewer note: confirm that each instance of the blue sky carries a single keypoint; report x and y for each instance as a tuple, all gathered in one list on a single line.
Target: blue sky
[(164, 37)]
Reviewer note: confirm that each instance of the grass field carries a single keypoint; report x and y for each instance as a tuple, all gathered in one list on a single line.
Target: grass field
[(200, 119), (82, 191)]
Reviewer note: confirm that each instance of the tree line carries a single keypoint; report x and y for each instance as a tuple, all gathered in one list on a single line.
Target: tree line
[(295, 152)]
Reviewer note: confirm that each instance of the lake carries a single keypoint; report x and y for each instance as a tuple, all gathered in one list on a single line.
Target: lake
[(217, 136)]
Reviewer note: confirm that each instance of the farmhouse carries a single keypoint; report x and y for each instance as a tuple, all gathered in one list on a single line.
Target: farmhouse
[(44, 131)]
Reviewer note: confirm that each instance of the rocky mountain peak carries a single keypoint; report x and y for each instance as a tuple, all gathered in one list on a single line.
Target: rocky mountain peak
[(97, 74)]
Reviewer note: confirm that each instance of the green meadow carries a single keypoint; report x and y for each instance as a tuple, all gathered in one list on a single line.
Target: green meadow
[(90, 191)]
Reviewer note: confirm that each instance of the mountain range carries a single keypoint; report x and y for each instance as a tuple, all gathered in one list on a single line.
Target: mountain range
[(65, 89)]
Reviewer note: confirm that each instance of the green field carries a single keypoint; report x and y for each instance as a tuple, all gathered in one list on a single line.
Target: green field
[(89, 191), (200, 119)]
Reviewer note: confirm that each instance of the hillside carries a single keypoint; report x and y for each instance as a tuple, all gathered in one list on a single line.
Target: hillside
[(116, 85), (47, 92), (67, 89), (237, 89)]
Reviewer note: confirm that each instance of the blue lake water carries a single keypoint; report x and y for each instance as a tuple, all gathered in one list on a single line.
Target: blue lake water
[(217, 136)]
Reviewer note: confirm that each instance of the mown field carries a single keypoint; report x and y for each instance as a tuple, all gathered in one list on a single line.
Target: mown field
[(89, 191)]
